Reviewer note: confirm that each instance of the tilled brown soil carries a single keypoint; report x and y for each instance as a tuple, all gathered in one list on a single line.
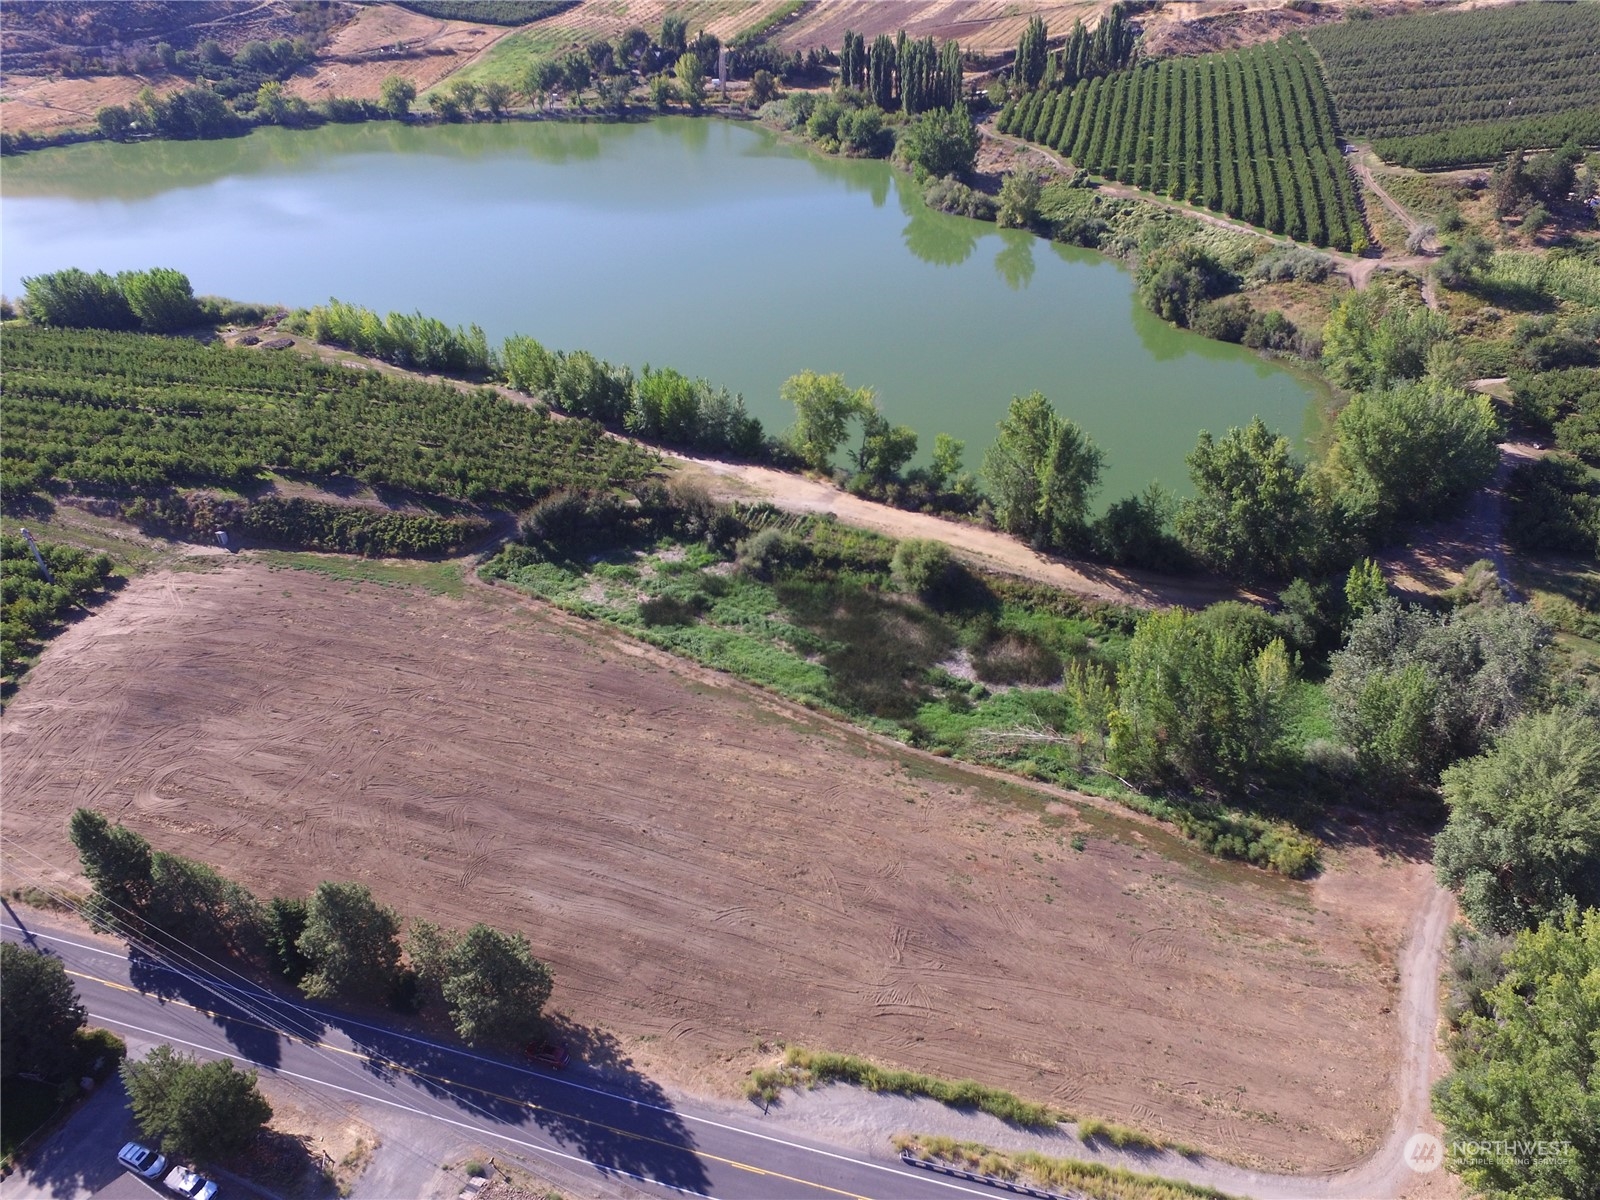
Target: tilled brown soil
[(707, 867), (984, 26)]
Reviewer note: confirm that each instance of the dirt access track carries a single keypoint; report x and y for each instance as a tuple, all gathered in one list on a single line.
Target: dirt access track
[(707, 867)]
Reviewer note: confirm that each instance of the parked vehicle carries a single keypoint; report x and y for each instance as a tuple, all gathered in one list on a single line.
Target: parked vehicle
[(142, 1161), (190, 1183), (547, 1054)]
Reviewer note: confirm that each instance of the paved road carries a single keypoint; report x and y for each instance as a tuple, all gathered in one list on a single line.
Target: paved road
[(600, 1129)]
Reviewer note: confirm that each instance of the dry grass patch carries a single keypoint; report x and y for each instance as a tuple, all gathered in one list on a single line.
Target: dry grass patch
[(1091, 1180)]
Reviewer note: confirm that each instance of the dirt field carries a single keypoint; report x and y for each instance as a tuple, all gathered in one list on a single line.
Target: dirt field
[(707, 867), (985, 26), (385, 40), (42, 105)]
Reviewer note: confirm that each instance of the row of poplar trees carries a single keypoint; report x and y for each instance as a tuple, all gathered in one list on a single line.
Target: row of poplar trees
[(1108, 48), (914, 75)]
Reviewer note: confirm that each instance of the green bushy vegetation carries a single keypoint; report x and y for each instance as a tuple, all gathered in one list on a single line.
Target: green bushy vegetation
[(416, 341), (1523, 1055), (306, 523), (1555, 507), (993, 670), (32, 609), (159, 300), (1249, 133), (1435, 90), (91, 410), (339, 943), (1087, 1179), (808, 1068), (489, 12)]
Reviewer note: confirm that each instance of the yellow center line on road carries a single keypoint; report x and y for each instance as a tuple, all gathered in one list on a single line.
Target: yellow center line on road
[(482, 1091)]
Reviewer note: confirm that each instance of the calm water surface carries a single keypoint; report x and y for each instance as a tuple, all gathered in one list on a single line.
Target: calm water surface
[(705, 245)]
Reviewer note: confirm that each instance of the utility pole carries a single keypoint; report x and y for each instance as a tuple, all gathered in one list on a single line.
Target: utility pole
[(38, 558)]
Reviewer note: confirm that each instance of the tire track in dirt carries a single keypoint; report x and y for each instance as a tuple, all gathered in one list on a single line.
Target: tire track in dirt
[(713, 870)]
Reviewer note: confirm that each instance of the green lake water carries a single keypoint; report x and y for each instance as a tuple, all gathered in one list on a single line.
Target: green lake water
[(710, 246)]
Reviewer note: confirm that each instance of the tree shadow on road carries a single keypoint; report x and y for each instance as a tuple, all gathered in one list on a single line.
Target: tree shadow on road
[(601, 1108), (253, 1020), (80, 1156)]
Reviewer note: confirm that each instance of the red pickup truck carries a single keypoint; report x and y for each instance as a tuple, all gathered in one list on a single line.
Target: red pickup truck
[(547, 1054)]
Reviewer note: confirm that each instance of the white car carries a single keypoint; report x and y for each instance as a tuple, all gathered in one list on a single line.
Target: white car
[(191, 1184), (141, 1160)]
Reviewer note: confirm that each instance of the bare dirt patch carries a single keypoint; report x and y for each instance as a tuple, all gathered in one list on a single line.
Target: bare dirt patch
[(984, 26), (315, 1148), (1200, 28), (985, 547), (38, 104), (1436, 558), (386, 40), (709, 868), (588, 22)]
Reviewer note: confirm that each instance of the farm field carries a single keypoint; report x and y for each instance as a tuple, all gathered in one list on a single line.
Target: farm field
[(982, 26), (1249, 134), (364, 52), (708, 868), (509, 60), (1454, 89)]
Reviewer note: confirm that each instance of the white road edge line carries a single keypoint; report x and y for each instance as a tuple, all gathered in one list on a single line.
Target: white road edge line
[(543, 1076), (534, 1146)]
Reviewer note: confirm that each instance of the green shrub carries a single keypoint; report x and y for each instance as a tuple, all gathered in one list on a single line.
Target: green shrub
[(814, 1067), (669, 610), (1555, 505), (768, 551), (1016, 659), (922, 566)]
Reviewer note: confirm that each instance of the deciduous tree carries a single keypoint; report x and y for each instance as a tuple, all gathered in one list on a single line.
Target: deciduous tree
[(161, 298), (1032, 53), (1248, 516), (496, 988), (884, 449), (395, 95), (1468, 673), (941, 142), (496, 95), (1524, 1071), (1414, 451), (350, 941), (1201, 698), (823, 409), (691, 74), (193, 1109), (39, 1014), (1523, 839), (1041, 473)]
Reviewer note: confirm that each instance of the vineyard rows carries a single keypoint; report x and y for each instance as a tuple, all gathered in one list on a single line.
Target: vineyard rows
[(128, 411), (1250, 134), (1443, 89)]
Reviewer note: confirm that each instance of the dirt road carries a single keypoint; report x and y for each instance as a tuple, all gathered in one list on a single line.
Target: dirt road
[(791, 492), (1436, 562), (1358, 269), (984, 547), (846, 1116)]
